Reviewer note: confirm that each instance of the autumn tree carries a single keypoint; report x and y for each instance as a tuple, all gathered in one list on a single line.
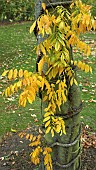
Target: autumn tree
[(58, 27)]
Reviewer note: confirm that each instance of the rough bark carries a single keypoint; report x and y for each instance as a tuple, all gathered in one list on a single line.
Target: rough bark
[(66, 148)]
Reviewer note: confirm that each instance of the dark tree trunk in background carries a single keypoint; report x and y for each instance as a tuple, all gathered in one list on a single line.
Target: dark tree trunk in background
[(66, 148)]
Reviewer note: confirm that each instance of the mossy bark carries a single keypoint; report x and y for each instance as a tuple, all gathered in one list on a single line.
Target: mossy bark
[(68, 156)]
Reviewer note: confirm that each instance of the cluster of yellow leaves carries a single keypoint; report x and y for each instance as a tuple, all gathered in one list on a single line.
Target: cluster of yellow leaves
[(35, 155), (55, 48), (35, 140), (56, 94), (28, 82), (47, 158), (53, 124), (13, 74), (82, 20), (75, 41), (44, 23), (38, 149), (82, 66)]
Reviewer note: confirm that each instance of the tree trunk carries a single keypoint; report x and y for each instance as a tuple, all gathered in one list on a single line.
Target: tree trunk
[(66, 148)]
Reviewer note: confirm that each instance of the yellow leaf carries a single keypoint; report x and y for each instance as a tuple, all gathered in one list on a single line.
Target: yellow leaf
[(42, 83), (31, 137), (57, 46), (58, 81), (61, 25), (44, 6), (40, 65), (19, 84), (79, 64), (30, 99), (58, 19), (37, 160), (58, 128), (40, 78), (46, 159), (64, 97), (52, 132), (64, 131), (32, 27), (10, 74), (69, 73), (47, 150), (50, 95), (90, 70), (15, 74), (39, 83), (88, 51), (20, 73), (42, 49), (83, 66), (75, 82), (71, 81), (8, 91), (46, 119), (34, 138), (24, 102), (13, 130), (47, 123), (27, 136), (48, 129), (45, 98), (26, 74), (75, 63), (12, 88), (48, 113), (87, 68), (5, 72), (47, 84), (15, 87)]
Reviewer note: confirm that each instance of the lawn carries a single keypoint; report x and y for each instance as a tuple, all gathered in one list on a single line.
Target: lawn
[(16, 51)]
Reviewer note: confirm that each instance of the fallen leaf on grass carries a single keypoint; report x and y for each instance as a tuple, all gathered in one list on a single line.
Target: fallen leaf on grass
[(31, 109), (35, 120), (13, 130), (40, 131), (33, 115), (92, 101), (84, 90)]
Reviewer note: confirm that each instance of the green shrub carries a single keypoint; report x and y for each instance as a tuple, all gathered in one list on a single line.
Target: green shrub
[(16, 10)]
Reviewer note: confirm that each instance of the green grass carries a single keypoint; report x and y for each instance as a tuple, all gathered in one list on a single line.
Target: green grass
[(88, 82), (16, 51)]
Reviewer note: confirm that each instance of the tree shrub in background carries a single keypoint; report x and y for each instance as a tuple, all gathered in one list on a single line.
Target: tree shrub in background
[(93, 4), (22, 10), (16, 10)]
